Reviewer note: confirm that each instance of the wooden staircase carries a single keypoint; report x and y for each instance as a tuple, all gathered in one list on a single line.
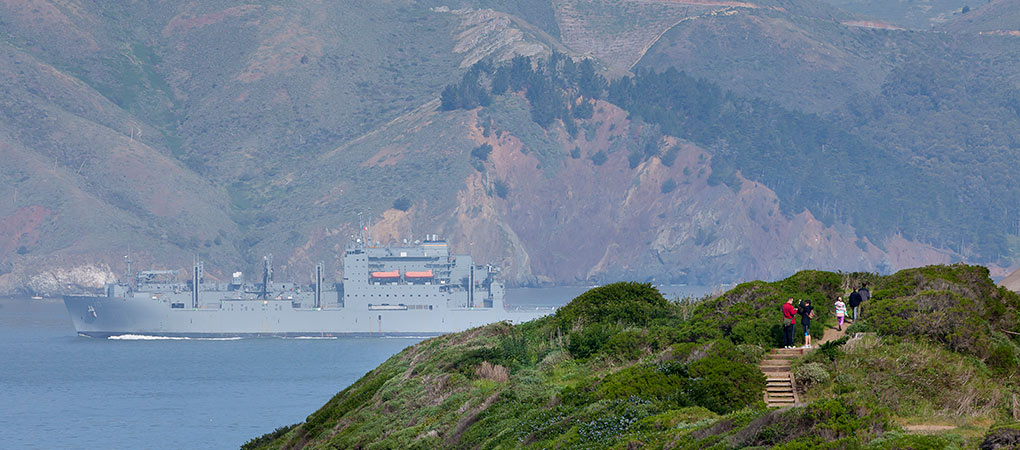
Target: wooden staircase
[(779, 383)]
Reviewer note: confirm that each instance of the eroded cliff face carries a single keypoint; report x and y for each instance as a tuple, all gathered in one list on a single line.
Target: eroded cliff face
[(565, 219)]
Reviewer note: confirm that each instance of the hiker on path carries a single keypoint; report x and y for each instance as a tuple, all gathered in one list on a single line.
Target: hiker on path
[(840, 312), (865, 293), (855, 303), (807, 312), (789, 321)]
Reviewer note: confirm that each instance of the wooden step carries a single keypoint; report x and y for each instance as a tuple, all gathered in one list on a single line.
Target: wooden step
[(775, 369), (788, 351), (774, 364), (779, 389), (780, 396), (776, 375), (790, 356)]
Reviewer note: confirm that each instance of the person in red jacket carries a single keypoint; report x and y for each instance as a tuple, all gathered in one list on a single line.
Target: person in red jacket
[(789, 320)]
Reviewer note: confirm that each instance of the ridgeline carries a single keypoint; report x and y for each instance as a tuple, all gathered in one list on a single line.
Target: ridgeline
[(932, 364)]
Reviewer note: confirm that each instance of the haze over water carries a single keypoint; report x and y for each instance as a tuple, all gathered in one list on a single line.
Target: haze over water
[(65, 391)]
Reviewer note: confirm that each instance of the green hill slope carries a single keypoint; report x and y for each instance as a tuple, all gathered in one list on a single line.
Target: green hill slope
[(621, 367)]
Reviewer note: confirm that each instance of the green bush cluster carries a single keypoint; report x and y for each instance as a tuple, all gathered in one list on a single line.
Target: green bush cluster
[(625, 303), (957, 306), (750, 313), (718, 384), (589, 340)]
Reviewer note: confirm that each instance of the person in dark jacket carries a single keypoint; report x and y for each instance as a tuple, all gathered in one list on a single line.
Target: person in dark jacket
[(807, 313), (855, 304)]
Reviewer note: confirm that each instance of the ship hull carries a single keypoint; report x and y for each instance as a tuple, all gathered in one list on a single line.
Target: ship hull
[(104, 317)]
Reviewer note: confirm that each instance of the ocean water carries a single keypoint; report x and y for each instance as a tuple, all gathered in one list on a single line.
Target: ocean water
[(58, 390)]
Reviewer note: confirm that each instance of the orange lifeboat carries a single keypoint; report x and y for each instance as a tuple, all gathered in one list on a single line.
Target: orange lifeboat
[(393, 274), (425, 274)]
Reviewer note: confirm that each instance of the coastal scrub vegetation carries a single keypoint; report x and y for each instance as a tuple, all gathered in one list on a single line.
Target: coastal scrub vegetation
[(623, 367)]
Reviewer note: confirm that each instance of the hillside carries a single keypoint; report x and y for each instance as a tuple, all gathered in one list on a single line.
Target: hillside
[(916, 15), (995, 17), (913, 111), (621, 367), (229, 131)]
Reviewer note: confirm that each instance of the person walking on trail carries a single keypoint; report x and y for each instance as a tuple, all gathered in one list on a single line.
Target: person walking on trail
[(789, 321), (865, 293), (840, 312), (855, 304), (807, 312)]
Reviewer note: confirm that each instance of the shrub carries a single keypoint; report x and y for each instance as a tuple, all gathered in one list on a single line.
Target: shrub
[(497, 373), (627, 303), (725, 385), (599, 158), (500, 188), (626, 345), (860, 326), (1002, 438), (634, 158), (402, 204), (481, 152), (668, 186), (575, 153), (669, 158), (830, 350), (22, 250), (1003, 360), (843, 383), (589, 341), (810, 374), (580, 393), (583, 110), (669, 383)]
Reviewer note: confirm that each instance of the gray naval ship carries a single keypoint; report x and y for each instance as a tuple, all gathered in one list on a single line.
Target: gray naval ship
[(416, 289)]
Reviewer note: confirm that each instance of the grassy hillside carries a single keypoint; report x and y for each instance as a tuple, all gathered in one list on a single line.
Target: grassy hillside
[(622, 367)]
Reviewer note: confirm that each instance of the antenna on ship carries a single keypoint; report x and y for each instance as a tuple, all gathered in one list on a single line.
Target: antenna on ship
[(267, 275), (127, 259), (361, 231)]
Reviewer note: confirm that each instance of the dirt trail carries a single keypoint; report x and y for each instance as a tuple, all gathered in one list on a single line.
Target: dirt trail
[(831, 334), (927, 429)]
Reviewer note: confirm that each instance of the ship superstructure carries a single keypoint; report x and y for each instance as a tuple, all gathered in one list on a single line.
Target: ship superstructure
[(414, 289)]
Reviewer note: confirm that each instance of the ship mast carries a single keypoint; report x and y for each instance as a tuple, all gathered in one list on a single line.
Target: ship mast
[(267, 275), (196, 280), (318, 285)]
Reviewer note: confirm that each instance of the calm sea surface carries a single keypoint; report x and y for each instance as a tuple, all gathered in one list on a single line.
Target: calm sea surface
[(58, 390)]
